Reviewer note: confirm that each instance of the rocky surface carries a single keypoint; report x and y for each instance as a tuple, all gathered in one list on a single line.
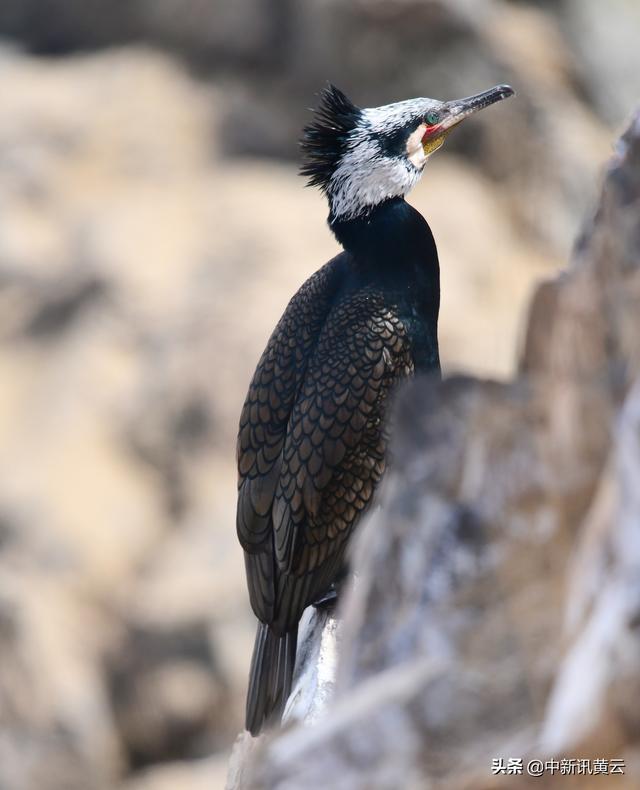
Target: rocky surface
[(497, 604)]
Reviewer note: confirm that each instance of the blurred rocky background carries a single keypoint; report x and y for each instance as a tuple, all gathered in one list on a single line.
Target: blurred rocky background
[(152, 229)]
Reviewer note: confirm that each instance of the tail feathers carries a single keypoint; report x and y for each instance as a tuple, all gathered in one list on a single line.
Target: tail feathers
[(270, 677)]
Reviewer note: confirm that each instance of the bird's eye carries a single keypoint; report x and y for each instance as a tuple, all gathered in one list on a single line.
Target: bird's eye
[(433, 118)]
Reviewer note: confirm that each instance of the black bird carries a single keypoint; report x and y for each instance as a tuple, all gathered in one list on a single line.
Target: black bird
[(313, 436)]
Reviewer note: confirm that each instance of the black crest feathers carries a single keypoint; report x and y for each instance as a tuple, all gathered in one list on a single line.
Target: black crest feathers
[(325, 138)]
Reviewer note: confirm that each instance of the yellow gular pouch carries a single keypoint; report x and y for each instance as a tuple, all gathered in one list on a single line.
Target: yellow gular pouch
[(432, 144)]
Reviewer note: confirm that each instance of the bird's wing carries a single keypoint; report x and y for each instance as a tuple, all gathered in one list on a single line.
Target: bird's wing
[(334, 451), (263, 425)]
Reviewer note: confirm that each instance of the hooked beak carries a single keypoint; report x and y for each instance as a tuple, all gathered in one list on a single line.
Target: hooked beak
[(453, 112), (458, 110)]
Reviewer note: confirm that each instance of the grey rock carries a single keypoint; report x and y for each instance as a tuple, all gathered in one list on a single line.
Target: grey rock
[(164, 689), (603, 38), (58, 26), (319, 640)]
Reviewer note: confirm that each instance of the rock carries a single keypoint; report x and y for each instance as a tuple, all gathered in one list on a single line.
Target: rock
[(496, 611), (591, 30), (244, 34), (165, 688), (57, 26), (319, 639), (206, 774), (56, 726)]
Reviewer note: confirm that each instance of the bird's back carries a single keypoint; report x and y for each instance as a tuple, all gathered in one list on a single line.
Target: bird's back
[(313, 433)]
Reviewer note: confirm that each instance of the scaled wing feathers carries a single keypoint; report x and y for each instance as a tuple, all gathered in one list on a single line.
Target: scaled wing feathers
[(312, 440)]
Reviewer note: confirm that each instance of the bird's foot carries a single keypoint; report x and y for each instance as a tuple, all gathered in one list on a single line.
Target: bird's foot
[(328, 599)]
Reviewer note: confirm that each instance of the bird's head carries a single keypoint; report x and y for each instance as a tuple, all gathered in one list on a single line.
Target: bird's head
[(362, 157)]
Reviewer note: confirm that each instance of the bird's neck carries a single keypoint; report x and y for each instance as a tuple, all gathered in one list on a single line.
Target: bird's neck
[(392, 236), (393, 248)]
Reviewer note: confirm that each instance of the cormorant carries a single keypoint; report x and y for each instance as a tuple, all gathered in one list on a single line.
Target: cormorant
[(313, 438)]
